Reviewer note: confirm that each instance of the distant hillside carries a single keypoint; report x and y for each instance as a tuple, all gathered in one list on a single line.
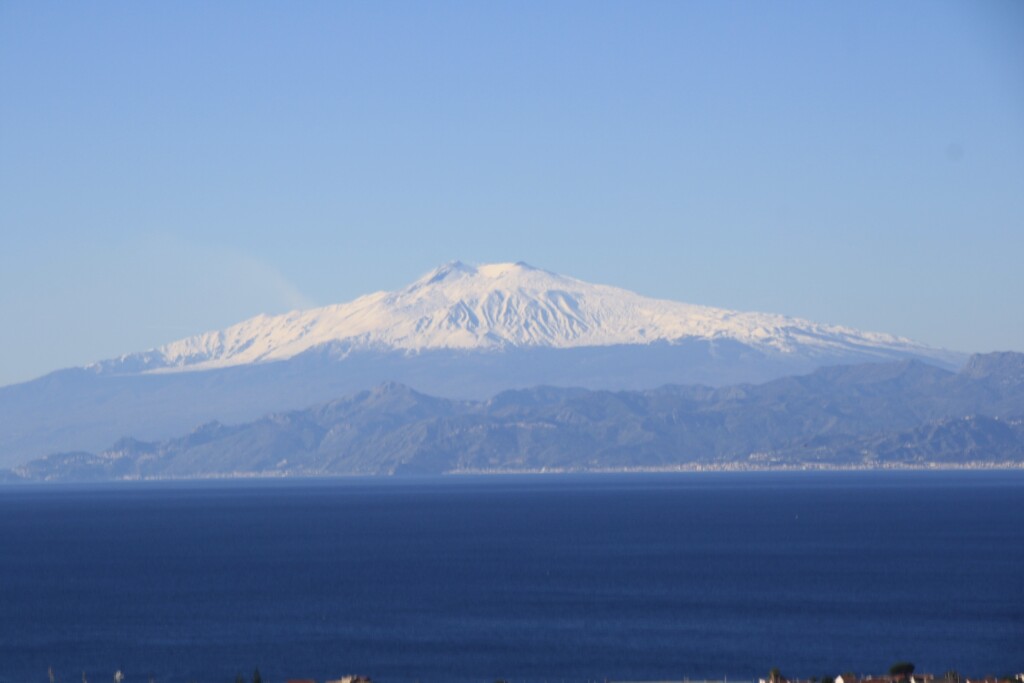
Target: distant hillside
[(887, 414)]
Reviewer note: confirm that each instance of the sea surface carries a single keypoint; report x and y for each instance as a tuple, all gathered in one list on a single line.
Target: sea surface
[(525, 578)]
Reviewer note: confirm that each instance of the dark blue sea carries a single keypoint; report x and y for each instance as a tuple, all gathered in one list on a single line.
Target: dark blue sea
[(532, 578)]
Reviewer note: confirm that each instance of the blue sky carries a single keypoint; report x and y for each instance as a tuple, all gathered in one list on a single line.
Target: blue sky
[(168, 168)]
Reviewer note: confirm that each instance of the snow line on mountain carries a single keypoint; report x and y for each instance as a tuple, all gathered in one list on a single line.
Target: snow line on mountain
[(496, 306)]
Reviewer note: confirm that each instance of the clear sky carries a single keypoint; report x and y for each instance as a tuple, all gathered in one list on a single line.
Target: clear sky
[(172, 167)]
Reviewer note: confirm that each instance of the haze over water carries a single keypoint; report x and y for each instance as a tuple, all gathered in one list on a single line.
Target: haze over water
[(526, 578)]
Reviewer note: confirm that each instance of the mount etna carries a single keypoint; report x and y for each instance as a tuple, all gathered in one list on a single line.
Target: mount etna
[(465, 334)]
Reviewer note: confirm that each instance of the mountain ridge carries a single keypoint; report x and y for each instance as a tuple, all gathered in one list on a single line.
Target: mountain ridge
[(906, 413)]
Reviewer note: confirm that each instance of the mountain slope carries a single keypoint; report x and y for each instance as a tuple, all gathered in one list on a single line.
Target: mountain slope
[(506, 305), (905, 413)]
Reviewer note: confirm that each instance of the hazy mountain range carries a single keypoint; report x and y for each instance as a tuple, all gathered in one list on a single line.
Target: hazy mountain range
[(903, 413), (460, 332)]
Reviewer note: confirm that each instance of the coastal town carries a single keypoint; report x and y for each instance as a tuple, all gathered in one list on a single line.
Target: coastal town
[(899, 673)]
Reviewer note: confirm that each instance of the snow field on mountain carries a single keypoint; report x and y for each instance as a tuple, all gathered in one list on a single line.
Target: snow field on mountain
[(496, 306)]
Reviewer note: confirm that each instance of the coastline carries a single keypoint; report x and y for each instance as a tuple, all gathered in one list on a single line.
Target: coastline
[(688, 468)]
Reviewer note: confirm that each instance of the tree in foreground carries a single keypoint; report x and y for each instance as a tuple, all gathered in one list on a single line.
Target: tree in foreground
[(901, 669)]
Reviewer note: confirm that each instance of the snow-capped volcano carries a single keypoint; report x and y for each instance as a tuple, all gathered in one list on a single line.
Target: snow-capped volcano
[(463, 332), (502, 306)]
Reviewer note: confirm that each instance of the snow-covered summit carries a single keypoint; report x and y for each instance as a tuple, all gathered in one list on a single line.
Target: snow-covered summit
[(503, 305)]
